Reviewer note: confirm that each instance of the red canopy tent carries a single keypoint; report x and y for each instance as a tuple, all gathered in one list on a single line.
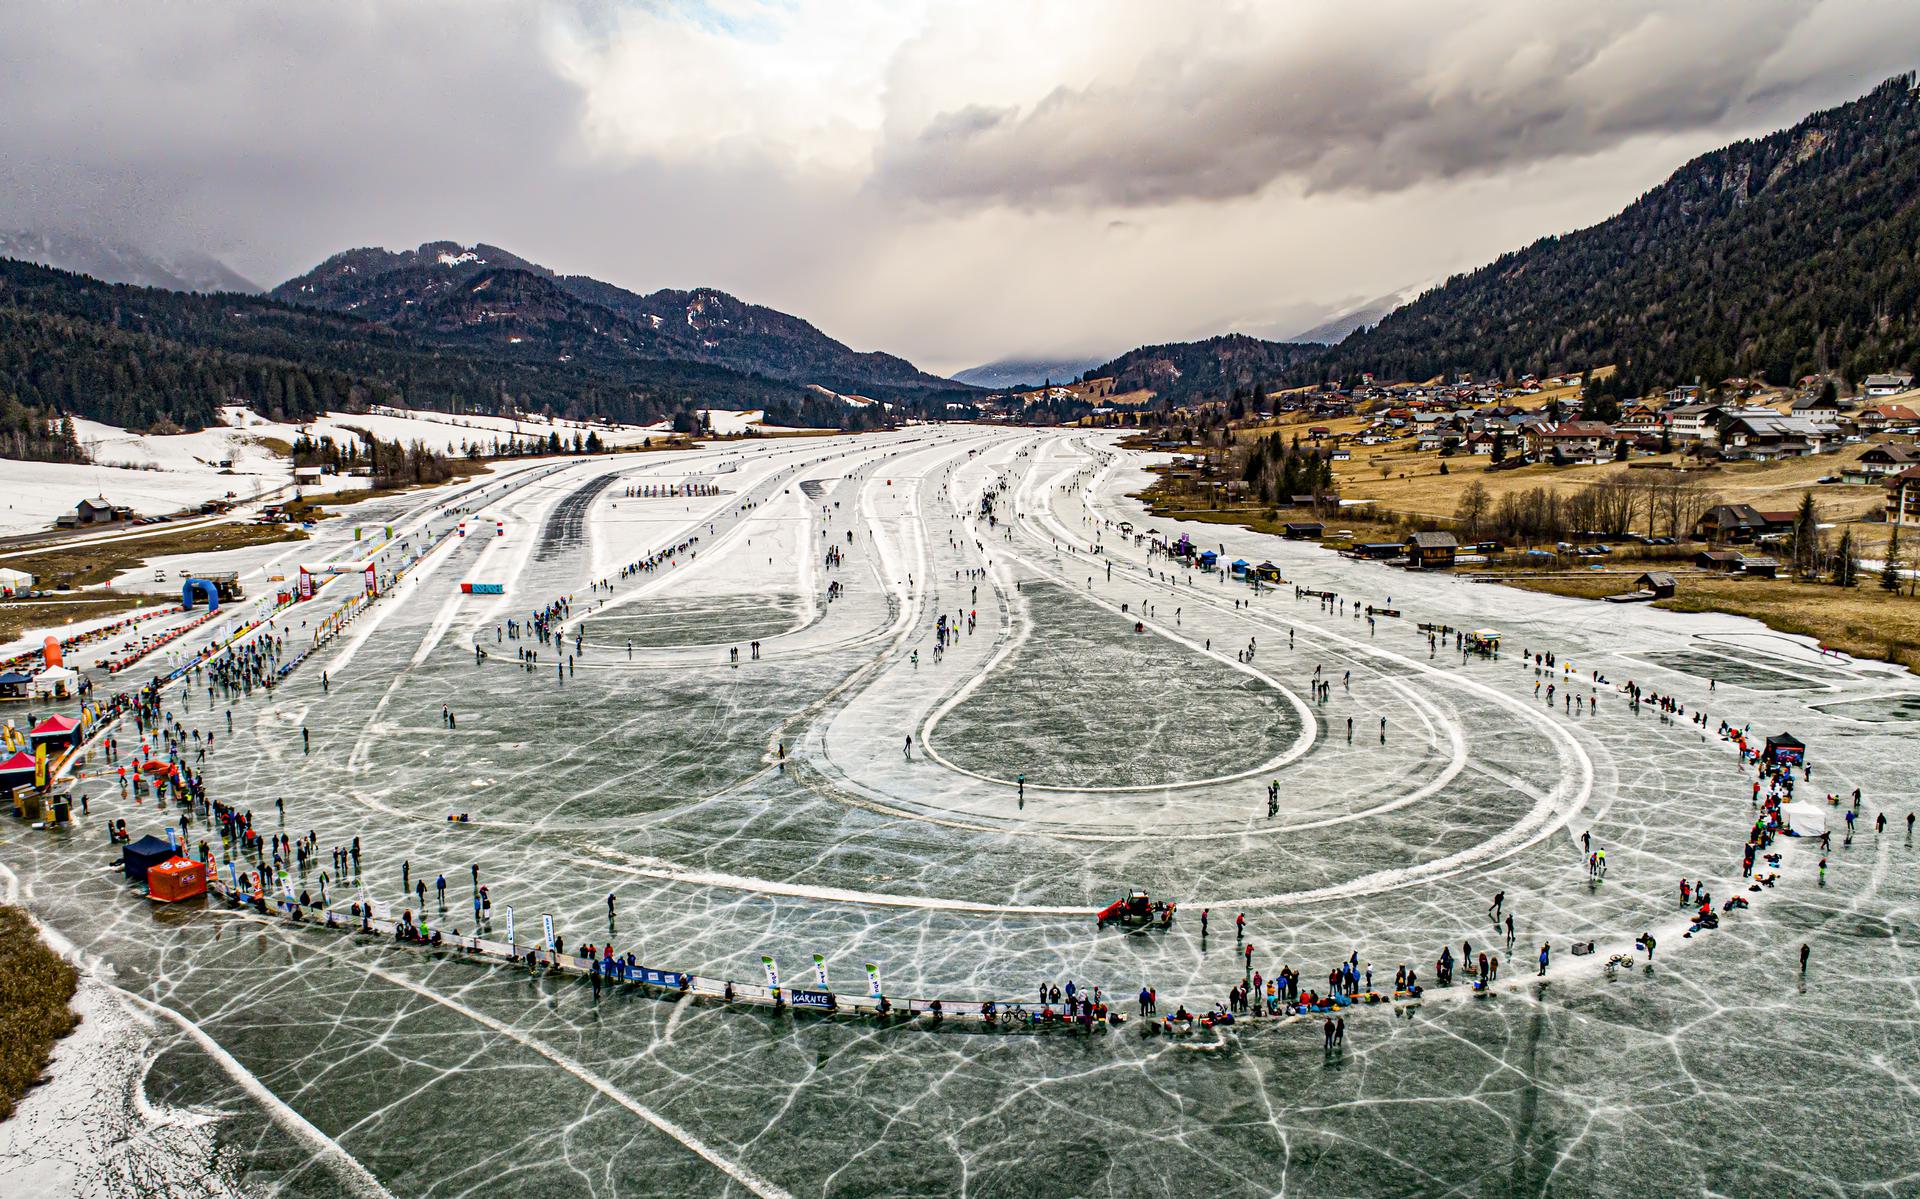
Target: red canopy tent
[(16, 781), (17, 771), (56, 732)]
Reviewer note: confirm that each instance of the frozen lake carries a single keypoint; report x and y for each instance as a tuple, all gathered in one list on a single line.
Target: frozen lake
[(844, 790)]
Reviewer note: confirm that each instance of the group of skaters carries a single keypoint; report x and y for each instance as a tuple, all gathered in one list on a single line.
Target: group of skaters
[(543, 628), (655, 561), (1349, 983), (1571, 701), (670, 491), (235, 674)]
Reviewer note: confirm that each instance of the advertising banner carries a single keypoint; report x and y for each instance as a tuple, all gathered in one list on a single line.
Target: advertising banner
[(948, 1007), (661, 978)]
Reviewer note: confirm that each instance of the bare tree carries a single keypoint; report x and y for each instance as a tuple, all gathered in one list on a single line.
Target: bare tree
[(1475, 504)]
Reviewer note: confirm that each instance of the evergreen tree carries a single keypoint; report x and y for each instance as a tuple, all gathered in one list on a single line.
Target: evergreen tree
[(1806, 538), (1846, 564)]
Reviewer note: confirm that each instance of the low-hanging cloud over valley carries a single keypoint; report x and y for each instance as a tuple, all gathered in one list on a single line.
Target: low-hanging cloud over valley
[(952, 181)]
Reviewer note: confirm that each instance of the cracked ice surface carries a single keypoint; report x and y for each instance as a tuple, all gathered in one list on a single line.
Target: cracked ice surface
[(656, 774)]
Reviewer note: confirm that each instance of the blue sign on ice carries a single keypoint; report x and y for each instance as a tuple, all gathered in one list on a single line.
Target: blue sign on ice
[(819, 999)]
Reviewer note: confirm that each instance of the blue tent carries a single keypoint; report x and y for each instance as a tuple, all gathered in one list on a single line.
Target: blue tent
[(146, 852), (1208, 557), (1240, 566)]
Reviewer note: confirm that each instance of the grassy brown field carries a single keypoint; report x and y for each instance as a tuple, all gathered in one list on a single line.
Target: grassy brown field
[(16, 617), (1401, 479), (1863, 621), (86, 563), (36, 990)]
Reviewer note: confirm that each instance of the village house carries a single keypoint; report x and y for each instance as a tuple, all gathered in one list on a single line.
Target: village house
[(1889, 383), (1639, 418), (1767, 437), (1887, 417), (1903, 497), (1695, 422), (1880, 461), (1725, 524), (1573, 441), (93, 512), (1431, 551), (1807, 405), (1658, 583)]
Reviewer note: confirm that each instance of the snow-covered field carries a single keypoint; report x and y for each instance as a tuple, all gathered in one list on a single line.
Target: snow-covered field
[(728, 422), (38, 493), (451, 434), (159, 475), (952, 816)]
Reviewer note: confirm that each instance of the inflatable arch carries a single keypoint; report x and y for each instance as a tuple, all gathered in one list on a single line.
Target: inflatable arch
[(204, 588)]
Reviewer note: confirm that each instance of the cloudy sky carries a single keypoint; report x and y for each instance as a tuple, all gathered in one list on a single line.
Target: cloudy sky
[(953, 181)]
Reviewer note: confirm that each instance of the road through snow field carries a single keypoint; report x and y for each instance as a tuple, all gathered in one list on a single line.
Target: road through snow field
[(741, 737)]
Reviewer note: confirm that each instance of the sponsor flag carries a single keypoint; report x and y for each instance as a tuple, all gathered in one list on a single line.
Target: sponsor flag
[(820, 972), (873, 980), (773, 973)]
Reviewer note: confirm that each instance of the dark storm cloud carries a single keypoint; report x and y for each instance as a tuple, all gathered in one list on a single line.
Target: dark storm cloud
[(1376, 98), (219, 125), (883, 167)]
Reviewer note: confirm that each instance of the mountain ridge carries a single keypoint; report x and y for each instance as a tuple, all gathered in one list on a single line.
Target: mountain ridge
[(1777, 256), (155, 359), (1007, 374), (450, 291)]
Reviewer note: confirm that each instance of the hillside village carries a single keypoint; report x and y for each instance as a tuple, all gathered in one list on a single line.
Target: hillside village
[(1564, 421), (1553, 484)]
